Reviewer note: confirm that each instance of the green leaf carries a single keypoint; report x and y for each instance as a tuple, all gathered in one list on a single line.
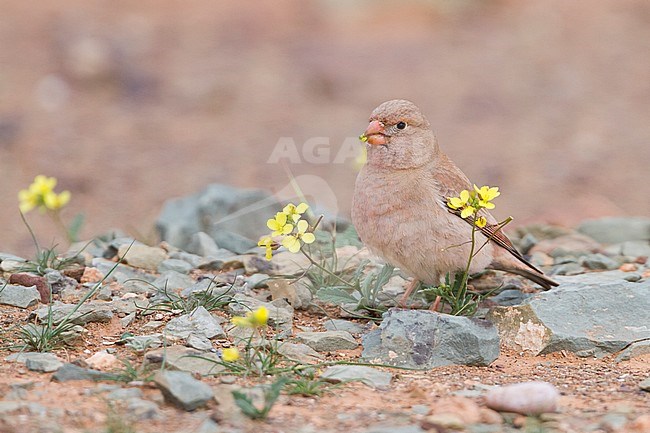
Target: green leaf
[(75, 226), (336, 296)]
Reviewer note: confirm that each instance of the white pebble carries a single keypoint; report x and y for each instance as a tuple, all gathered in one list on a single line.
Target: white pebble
[(528, 398)]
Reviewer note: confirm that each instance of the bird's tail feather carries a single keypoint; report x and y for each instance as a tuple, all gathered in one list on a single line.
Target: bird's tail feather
[(536, 277)]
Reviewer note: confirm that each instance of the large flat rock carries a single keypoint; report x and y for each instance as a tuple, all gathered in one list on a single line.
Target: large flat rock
[(590, 315), (426, 339)]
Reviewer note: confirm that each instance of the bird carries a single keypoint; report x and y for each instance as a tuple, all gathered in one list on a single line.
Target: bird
[(400, 205)]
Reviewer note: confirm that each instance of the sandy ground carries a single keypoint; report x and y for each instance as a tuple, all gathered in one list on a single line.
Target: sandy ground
[(590, 389)]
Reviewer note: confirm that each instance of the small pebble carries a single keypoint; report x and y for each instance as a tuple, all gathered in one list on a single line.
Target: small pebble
[(527, 398)]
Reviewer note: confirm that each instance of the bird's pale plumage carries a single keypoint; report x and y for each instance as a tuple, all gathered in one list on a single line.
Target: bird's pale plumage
[(400, 204)]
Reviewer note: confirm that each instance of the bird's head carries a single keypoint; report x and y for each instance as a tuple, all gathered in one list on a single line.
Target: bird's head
[(399, 136)]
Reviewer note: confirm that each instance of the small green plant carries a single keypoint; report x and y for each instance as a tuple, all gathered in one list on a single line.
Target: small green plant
[(45, 337), (454, 294), (259, 356), (131, 373), (308, 385), (168, 301), (270, 395), (362, 292)]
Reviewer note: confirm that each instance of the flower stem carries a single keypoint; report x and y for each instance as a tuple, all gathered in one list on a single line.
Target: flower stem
[(327, 271)]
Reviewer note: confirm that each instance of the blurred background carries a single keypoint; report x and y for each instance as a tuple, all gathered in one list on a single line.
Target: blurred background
[(130, 103)]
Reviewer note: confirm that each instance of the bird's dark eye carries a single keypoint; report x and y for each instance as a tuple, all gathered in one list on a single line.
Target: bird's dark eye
[(401, 125)]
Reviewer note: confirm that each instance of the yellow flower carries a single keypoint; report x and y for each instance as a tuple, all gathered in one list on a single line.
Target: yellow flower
[(253, 319), (267, 243), (279, 225), (486, 195), (460, 201), (41, 194), (292, 243), (55, 201), (464, 202), (294, 212), (480, 222), (259, 317), (230, 354), (28, 200), (43, 184), (363, 138), (240, 321)]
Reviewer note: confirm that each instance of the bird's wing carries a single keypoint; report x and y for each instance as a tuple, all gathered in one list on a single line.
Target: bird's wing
[(451, 181)]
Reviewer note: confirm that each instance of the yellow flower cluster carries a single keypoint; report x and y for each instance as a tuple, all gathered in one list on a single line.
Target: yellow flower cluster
[(289, 225), (253, 319), (230, 354), (41, 194), (471, 202)]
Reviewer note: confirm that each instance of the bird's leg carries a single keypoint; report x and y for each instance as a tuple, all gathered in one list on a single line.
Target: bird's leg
[(408, 293), (436, 304)]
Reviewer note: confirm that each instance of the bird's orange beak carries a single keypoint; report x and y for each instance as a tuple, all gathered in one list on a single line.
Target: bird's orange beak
[(375, 133)]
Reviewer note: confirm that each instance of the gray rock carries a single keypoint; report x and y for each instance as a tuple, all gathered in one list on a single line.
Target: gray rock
[(634, 350), (368, 375), (142, 409), (59, 282), (591, 315), (633, 277), (616, 229), (142, 256), (124, 394), (328, 341), (252, 263), (280, 312), (199, 322), (425, 339), (141, 343), (344, 325), (209, 426), (89, 312), (257, 280), (510, 297), (298, 296), (176, 265), (12, 266), (127, 320), (300, 352), (7, 407), (199, 342), (121, 273), (232, 241), (69, 372), (567, 269), (185, 359), (19, 296), (172, 280), (644, 385), (598, 262), (229, 215), (43, 362), (635, 248), (8, 256), (203, 245), (182, 390), (193, 259)]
